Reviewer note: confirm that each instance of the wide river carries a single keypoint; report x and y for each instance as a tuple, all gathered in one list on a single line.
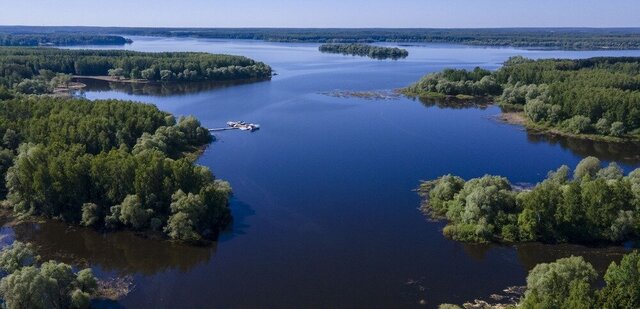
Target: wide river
[(324, 211)]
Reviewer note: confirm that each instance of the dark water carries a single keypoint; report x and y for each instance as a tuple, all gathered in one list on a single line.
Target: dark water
[(324, 210)]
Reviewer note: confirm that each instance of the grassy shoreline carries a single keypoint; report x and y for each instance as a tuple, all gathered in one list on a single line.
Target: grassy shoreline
[(512, 114), (518, 118)]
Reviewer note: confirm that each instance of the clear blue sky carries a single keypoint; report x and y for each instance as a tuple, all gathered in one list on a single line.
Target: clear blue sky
[(323, 13)]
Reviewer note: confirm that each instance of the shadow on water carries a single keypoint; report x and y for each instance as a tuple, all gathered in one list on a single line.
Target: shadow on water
[(125, 253), (626, 152), (241, 211), (531, 254), (106, 304), (622, 152), (453, 103), (159, 89)]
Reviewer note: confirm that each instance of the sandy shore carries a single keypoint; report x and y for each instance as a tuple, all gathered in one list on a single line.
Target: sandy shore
[(513, 118), (112, 79)]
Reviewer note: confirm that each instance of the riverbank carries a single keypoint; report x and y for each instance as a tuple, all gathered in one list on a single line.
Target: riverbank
[(519, 118), (112, 79)]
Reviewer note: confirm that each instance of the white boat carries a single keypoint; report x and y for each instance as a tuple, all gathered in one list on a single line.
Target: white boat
[(243, 125)]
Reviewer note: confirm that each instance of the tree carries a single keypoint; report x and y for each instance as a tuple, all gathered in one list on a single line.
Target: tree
[(116, 73), (589, 167), (603, 126), (32, 86), (612, 172), (90, 214), (548, 285), (537, 110), (11, 139), (6, 160), (61, 80), (181, 227), (5, 94), (133, 213), (617, 129), (16, 256), (166, 75), (53, 285), (622, 288), (148, 74), (578, 124)]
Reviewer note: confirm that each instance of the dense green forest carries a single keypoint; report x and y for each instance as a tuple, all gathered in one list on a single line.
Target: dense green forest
[(546, 38), (375, 52), (28, 282), (459, 83), (594, 205), (597, 96), (109, 164), (31, 70), (573, 283), (60, 39)]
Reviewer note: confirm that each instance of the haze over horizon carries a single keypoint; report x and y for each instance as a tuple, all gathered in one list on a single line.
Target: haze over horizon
[(326, 14)]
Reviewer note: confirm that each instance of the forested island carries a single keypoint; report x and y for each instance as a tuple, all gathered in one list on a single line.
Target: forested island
[(61, 39), (364, 50), (574, 283), (593, 98), (539, 38), (590, 205), (39, 70), (109, 164)]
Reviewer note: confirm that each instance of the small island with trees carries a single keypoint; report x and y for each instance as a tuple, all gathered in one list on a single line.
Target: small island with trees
[(594, 98), (364, 50), (594, 205)]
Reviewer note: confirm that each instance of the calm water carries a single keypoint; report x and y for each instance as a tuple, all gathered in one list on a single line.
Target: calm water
[(324, 210)]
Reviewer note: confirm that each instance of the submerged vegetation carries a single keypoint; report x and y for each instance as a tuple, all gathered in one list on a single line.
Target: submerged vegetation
[(572, 283), (375, 52), (32, 70), (543, 38), (594, 205), (597, 97), (60, 39)]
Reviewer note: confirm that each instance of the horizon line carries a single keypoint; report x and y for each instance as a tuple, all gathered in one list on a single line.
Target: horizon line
[(337, 28)]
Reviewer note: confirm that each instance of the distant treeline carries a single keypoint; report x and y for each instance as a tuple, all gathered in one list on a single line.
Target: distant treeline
[(35, 67), (60, 39), (375, 52), (597, 96), (545, 38)]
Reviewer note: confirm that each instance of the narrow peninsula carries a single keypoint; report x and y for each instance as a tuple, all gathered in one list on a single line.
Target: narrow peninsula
[(596, 98)]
